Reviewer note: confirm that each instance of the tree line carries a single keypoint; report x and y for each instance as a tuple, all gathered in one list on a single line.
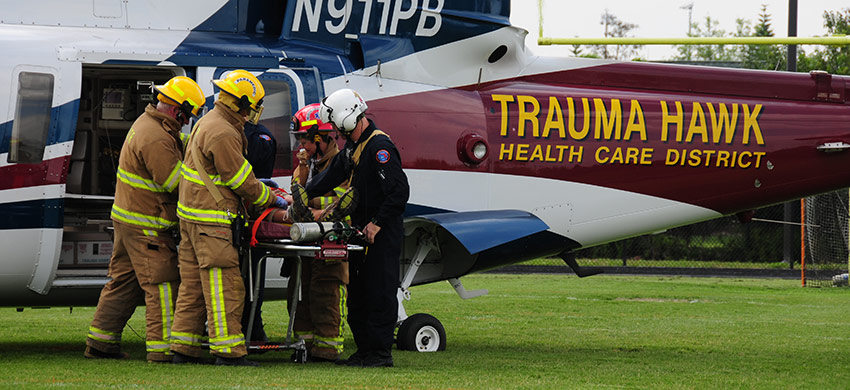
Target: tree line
[(833, 59)]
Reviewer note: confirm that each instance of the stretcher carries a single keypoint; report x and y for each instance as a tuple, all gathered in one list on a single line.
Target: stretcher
[(308, 239)]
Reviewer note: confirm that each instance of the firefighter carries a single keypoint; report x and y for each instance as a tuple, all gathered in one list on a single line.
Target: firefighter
[(320, 312), (215, 181), (371, 163), (144, 255)]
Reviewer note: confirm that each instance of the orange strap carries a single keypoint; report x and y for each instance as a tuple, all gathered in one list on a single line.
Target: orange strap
[(256, 226)]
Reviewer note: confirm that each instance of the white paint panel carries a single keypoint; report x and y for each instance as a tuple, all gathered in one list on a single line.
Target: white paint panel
[(456, 64), (52, 191), (50, 152), (20, 254), (589, 214), (147, 14)]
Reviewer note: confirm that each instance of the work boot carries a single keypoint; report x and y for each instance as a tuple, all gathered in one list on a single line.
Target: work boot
[(355, 360), (92, 353), (180, 358), (159, 357), (298, 211), (374, 360), (240, 361), (342, 207), (321, 359)]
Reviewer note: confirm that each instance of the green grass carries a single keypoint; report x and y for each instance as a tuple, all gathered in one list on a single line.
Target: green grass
[(530, 332), (607, 262)]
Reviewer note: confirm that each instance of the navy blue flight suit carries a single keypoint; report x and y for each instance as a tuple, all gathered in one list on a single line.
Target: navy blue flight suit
[(262, 148), (383, 191)]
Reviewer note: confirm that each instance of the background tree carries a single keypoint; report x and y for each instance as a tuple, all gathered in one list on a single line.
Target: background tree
[(614, 27), (833, 59), (763, 56), (706, 52)]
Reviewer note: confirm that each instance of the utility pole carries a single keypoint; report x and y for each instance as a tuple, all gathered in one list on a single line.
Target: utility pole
[(790, 209), (690, 8)]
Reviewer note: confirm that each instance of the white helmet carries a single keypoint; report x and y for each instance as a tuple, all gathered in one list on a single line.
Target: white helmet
[(343, 108)]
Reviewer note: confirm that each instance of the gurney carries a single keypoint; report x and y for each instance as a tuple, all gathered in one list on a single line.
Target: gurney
[(322, 240)]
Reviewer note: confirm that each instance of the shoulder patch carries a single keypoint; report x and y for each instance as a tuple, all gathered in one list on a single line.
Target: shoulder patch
[(265, 137), (382, 156)]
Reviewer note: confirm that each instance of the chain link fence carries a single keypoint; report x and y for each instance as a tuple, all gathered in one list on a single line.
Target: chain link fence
[(766, 245)]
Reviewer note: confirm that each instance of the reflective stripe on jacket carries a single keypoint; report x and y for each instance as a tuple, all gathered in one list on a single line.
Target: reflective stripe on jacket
[(148, 172), (222, 144)]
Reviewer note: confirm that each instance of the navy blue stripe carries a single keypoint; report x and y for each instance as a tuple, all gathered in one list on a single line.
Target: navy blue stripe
[(33, 214), (63, 122)]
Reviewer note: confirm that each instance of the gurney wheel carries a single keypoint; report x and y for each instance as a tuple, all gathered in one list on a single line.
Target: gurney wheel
[(421, 332), (300, 356)]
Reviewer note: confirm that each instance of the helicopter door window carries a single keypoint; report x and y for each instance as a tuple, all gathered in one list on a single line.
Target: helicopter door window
[(32, 117)]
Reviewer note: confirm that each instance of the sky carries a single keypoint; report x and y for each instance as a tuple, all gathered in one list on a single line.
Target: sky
[(659, 18)]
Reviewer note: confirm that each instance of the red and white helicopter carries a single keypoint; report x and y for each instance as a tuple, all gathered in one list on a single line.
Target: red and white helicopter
[(510, 156)]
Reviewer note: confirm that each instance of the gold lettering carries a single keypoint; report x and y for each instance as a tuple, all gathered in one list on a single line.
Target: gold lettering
[(708, 154), (503, 104), (751, 122), (646, 156), (509, 151), (741, 162), (632, 155), (667, 119), (694, 159), (607, 124), (537, 153), (576, 153), (549, 157), (617, 157), (521, 152), (528, 116), (697, 116), (600, 159), (758, 158), (558, 122), (636, 123), (576, 135), (719, 121), (672, 157), (723, 156), (561, 149)]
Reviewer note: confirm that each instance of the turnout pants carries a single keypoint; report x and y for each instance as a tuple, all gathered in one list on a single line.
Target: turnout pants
[(321, 311), (143, 268), (212, 291), (373, 293)]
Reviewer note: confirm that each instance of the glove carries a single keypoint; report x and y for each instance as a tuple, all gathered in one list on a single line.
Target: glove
[(302, 156), (280, 203), (269, 182)]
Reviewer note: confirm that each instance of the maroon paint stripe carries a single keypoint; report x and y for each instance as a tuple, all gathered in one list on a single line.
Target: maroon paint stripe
[(47, 172)]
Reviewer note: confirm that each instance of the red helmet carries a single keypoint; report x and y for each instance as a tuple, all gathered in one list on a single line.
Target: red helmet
[(306, 122)]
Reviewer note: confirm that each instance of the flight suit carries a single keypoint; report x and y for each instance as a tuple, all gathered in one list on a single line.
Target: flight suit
[(209, 257), (262, 148), (320, 312), (383, 191), (144, 255)]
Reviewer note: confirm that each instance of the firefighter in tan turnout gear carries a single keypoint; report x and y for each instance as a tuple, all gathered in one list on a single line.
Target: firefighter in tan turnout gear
[(144, 256), (216, 180)]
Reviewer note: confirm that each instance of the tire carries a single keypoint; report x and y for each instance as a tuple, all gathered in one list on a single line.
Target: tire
[(421, 332), (300, 356)]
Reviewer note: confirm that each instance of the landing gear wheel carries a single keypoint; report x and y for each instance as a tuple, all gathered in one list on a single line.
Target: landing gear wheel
[(421, 332)]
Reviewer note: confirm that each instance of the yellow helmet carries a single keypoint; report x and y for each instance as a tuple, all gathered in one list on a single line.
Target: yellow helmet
[(245, 87), (183, 92)]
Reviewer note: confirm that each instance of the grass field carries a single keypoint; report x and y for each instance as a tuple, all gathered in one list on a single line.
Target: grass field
[(530, 332)]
